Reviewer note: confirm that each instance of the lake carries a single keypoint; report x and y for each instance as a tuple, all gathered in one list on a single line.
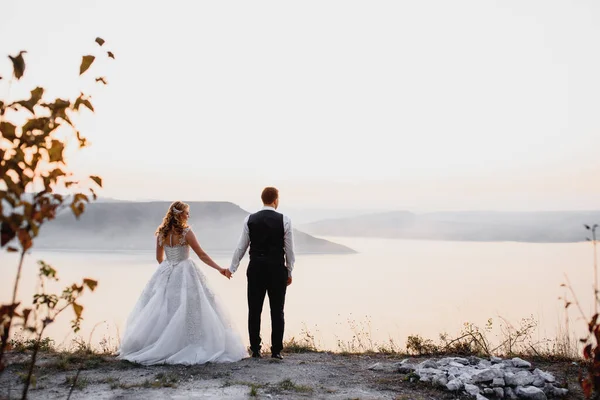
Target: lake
[(390, 289)]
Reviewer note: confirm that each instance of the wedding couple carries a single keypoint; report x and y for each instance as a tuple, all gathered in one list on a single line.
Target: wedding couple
[(179, 320)]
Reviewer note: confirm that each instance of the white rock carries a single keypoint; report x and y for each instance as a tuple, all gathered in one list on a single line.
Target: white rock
[(461, 360), (560, 392), (473, 360), (521, 378), (427, 364), (548, 377), (465, 378), (480, 397), (520, 363), (405, 368), (454, 385), (531, 392), (538, 381), (376, 367), (498, 382), (487, 375), (443, 362), (488, 391), (509, 393), (472, 389), (495, 360), (499, 392), (440, 380)]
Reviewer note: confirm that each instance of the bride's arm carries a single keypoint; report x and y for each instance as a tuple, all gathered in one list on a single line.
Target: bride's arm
[(193, 242), (160, 254)]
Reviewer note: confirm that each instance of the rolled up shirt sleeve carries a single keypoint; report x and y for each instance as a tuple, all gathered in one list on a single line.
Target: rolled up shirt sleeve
[(241, 248), (288, 242)]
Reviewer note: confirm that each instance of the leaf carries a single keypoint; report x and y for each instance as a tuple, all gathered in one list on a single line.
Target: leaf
[(78, 309), (77, 209), (82, 140), (35, 124), (587, 388), (587, 352), (26, 313), (18, 64), (97, 179), (7, 233), (567, 304), (11, 249), (586, 227), (102, 79), (55, 152), (86, 62), (79, 197), (100, 41), (110, 54), (90, 283), (36, 96), (25, 239), (8, 131), (592, 323), (81, 101)]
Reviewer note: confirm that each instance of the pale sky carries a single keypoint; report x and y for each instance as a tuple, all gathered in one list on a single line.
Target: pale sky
[(419, 105)]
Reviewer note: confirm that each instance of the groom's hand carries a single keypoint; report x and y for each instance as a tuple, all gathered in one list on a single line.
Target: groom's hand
[(289, 281), (227, 273)]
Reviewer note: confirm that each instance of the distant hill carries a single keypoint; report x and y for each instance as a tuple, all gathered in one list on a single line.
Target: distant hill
[(549, 227), (131, 226)]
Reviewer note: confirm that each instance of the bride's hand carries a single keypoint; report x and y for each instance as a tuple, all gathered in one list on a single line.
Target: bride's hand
[(225, 272)]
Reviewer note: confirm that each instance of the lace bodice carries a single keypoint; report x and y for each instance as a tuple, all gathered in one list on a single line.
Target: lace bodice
[(176, 248)]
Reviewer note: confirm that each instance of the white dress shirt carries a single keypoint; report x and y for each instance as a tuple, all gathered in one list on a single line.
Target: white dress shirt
[(288, 241)]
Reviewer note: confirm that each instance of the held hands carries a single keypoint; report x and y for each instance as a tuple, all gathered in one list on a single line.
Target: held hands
[(225, 272)]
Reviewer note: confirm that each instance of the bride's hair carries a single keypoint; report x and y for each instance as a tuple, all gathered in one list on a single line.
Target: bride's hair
[(173, 221)]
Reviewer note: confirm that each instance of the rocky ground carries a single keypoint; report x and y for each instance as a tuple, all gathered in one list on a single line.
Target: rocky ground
[(298, 376)]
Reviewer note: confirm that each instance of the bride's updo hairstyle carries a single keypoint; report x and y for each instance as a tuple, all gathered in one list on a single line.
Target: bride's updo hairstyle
[(173, 220)]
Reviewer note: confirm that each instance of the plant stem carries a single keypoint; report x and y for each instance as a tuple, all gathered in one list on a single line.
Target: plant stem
[(595, 271), (6, 333), (18, 278), (36, 348)]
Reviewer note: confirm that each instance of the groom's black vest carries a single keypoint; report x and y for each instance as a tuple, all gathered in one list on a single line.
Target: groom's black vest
[(266, 238)]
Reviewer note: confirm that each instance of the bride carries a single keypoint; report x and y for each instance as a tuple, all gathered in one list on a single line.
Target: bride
[(178, 319)]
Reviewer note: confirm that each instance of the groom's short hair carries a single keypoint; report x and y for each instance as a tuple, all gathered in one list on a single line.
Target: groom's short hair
[(269, 195)]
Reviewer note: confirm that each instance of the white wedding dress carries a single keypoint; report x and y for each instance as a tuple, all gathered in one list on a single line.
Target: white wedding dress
[(177, 319)]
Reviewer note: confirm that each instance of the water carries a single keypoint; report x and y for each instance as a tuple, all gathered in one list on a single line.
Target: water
[(391, 289)]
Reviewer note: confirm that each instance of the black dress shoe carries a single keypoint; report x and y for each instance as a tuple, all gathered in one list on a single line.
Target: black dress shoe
[(277, 355), (256, 354)]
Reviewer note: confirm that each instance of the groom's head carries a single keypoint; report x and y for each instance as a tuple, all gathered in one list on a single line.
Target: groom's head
[(270, 197)]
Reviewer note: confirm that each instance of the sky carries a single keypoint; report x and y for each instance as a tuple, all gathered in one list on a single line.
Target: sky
[(343, 105)]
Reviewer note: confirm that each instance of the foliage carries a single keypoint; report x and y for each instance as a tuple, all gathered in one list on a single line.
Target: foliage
[(590, 381), (46, 344), (306, 344), (33, 179)]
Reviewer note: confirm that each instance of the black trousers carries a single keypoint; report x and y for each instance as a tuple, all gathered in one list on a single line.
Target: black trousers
[(265, 278)]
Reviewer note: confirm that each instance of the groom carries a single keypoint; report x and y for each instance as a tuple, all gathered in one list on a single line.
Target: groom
[(269, 235)]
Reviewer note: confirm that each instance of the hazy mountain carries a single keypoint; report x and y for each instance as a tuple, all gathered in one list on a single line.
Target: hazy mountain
[(558, 226), (131, 225)]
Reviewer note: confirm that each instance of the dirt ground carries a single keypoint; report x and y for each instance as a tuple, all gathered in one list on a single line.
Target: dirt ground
[(298, 376)]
